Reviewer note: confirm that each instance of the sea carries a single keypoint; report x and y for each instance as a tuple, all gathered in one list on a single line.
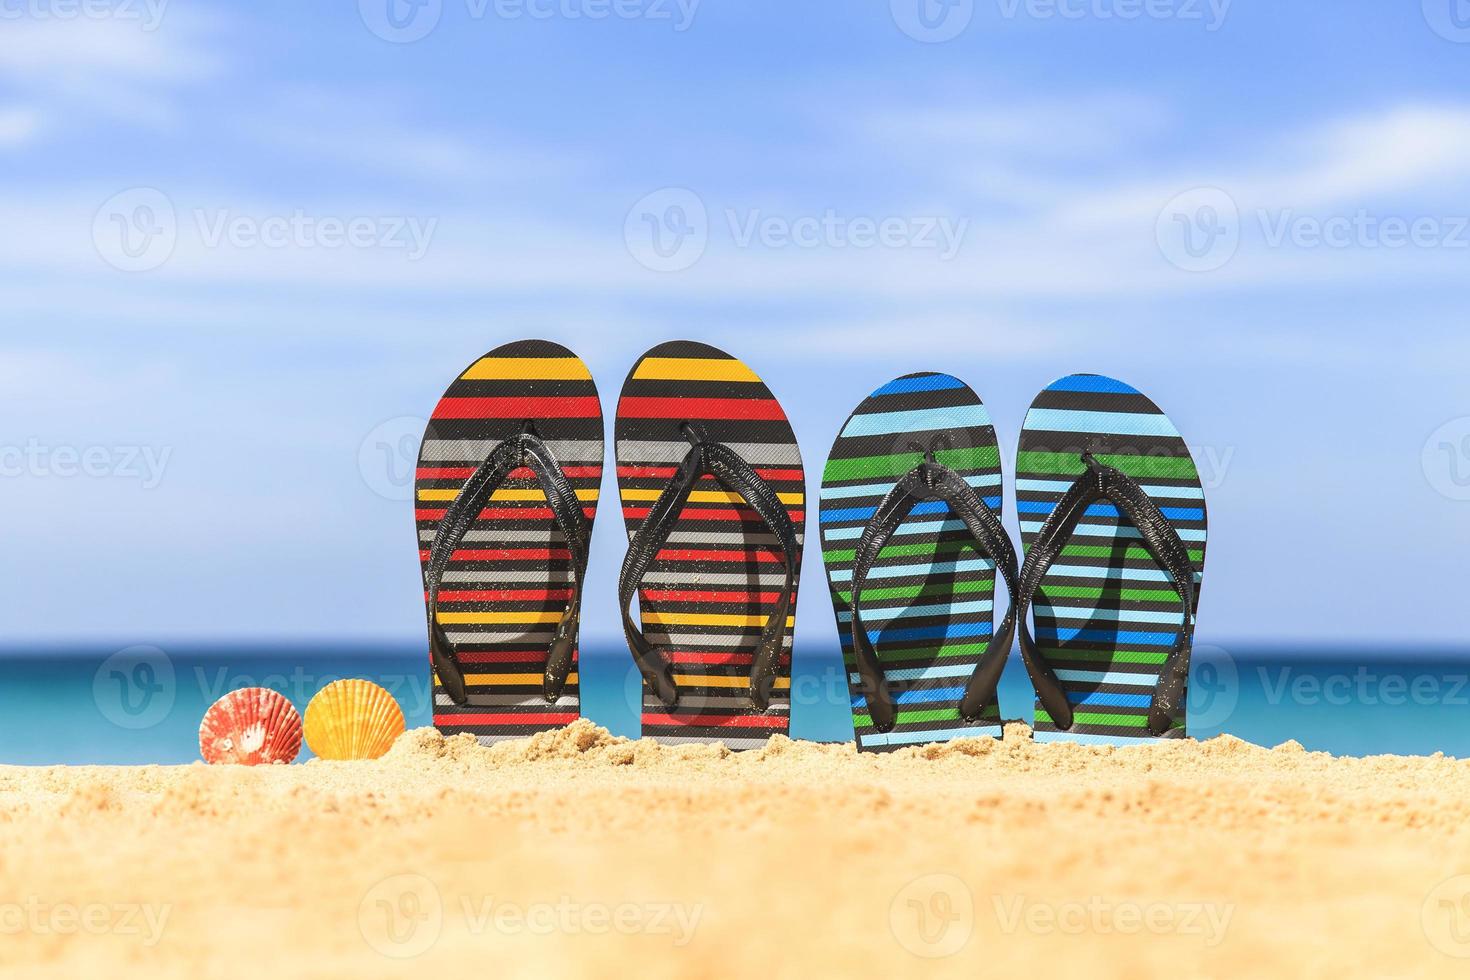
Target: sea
[(134, 705)]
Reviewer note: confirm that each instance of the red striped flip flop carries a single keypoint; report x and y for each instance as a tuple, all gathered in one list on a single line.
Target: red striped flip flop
[(505, 495), (713, 496)]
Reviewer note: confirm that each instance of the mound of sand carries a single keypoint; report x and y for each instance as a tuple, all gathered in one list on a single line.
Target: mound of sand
[(578, 853)]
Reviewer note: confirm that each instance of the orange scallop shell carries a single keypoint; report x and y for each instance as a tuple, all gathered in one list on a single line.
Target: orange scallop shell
[(352, 719), (252, 726)]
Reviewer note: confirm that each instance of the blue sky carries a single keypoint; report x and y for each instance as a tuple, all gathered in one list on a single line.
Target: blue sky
[(339, 221)]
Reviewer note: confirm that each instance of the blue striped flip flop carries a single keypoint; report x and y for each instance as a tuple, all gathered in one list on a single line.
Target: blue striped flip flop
[(1113, 521), (911, 536)]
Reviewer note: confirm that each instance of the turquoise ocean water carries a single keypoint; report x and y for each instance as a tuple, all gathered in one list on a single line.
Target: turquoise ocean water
[(138, 705)]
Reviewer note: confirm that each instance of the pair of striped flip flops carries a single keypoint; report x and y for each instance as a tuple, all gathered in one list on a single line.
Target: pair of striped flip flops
[(1113, 526), (713, 496)]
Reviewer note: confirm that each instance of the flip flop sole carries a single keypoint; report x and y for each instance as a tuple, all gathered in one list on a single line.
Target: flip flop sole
[(1106, 615), (929, 601), (505, 588), (708, 594)]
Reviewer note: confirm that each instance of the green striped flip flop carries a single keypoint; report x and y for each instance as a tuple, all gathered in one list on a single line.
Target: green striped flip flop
[(911, 537), (1113, 521)]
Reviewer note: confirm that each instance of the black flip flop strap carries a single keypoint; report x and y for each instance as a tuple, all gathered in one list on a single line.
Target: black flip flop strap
[(930, 481), (1102, 482), (525, 449), (726, 466)]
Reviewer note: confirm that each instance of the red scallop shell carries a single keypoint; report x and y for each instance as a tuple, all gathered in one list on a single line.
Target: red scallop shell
[(252, 726)]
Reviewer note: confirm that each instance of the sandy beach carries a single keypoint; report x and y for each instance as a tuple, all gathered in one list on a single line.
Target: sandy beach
[(579, 854)]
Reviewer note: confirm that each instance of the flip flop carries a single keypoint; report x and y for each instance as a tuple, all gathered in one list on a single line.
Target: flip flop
[(505, 494), (1113, 520), (713, 495), (910, 521)]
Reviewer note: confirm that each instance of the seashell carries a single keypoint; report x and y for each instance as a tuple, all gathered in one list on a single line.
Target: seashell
[(352, 719), (252, 726)]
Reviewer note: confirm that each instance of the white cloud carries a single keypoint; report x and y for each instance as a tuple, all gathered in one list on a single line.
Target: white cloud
[(1045, 128), (1357, 160), (85, 68), (372, 133), (18, 126), (1080, 240)]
